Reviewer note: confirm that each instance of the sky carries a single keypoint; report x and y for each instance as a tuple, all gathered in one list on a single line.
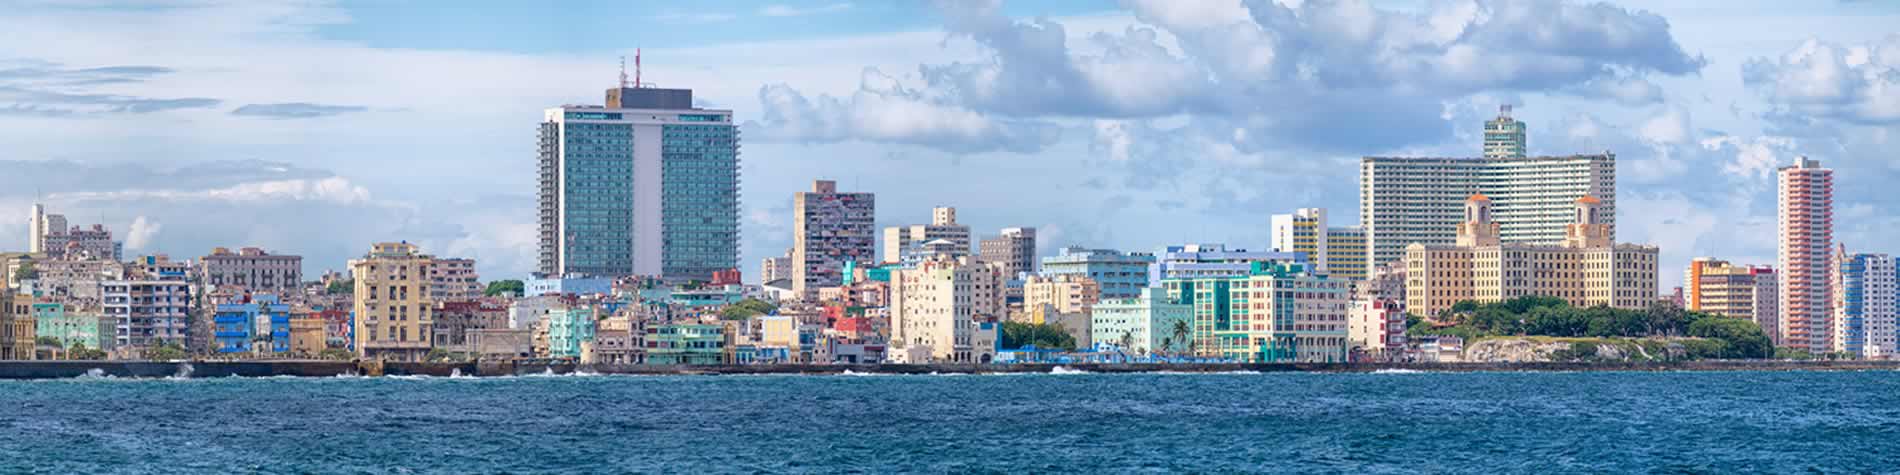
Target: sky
[(317, 128)]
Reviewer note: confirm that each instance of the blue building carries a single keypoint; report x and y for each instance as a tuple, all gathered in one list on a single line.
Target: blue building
[(645, 185), (1865, 313), (1211, 260), (260, 324), (1121, 275)]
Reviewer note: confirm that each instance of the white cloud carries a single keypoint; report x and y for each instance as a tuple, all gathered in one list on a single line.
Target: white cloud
[(1859, 83), (883, 110), (141, 233), (337, 190), (788, 10)]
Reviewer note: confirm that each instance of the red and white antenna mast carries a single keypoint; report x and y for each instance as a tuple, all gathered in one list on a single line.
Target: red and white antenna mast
[(636, 68)]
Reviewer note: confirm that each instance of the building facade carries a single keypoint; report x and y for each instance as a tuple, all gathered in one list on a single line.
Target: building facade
[(570, 332), (1586, 270), (1335, 251), (1121, 275), (1417, 200), (1014, 249), (905, 241), (70, 327), (1071, 294), (454, 280), (1504, 136), (1376, 328), (830, 230), (775, 268), (1277, 313), (1210, 260), (685, 344), (1151, 324), (936, 307), (253, 269), (260, 324), (1805, 231), (1719, 287), (1864, 313), (148, 313), (394, 315), (647, 185)]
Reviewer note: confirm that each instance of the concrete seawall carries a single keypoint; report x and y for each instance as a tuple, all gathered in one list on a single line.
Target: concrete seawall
[(213, 369)]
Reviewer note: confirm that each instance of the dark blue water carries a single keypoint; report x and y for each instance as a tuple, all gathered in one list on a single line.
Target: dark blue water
[(1361, 423)]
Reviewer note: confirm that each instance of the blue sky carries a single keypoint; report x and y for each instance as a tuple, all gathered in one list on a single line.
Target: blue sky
[(315, 128)]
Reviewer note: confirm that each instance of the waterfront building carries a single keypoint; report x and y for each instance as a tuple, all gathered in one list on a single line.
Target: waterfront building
[(646, 185), (258, 324), (253, 269), (936, 308), (1417, 200), (570, 331), (831, 230), (70, 327), (1068, 293), (149, 313), (1376, 328), (455, 319), (1864, 305), (22, 330), (1747, 292), (1151, 324), (394, 315), (1805, 232), (1120, 275), (1279, 312), (8, 351), (1336, 251), (1014, 249), (307, 336), (1210, 260), (454, 279), (903, 241), (685, 344), (1504, 136), (775, 268), (1587, 269), (620, 339)]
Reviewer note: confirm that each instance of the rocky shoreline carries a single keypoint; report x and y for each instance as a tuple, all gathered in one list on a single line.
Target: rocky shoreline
[(29, 370)]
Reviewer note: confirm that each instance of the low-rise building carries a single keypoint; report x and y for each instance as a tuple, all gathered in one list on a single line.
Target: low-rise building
[(259, 324), (685, 344), (1376, 328), (1147, 325), (307, 337), (570, 332)]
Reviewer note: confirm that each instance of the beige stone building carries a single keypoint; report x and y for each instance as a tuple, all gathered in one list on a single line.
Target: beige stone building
[(1719, 287), (936, 309), (901, 241), (253, 268), (1067, 294), (1586, 269), (393, 307)]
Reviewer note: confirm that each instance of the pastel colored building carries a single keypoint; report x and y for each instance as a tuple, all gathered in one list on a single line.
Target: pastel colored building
[(1210, 260), (1119, 274), (569, 330), (1336, 251), (646, 185), (830, 229), (1864, 305), (71, 328), (1067, 293), (1406, 200), (253, 269), (394, 317), (1148, 323), (685, 344), (454, 280), (1376, 328), (936, 308), (902, 243), (1278, 313), (149, 313), (260, 324), (1805, 222), (1587, 269), (1719, 287)]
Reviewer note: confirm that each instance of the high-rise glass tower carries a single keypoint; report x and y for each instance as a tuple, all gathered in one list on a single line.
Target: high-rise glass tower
[(645, 185)]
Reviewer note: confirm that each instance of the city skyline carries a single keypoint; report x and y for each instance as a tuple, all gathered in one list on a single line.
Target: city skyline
[(179, 154)]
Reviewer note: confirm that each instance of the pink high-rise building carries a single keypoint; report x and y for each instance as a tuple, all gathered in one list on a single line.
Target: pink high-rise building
[(1805, 195)]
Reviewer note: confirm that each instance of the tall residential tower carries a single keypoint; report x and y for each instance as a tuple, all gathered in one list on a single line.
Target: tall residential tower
[(831, 230), (1504, 136), (646, 185), (1805, 214)]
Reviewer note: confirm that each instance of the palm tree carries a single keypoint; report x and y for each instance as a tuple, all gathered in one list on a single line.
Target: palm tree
[(1182, 332)]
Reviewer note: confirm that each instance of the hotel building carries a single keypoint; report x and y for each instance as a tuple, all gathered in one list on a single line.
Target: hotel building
[(646, 185), (1418, 200), (1587, 269)]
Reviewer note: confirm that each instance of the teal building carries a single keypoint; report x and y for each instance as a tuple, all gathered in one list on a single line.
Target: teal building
[(568, 328), (690, 344), (53, 320)]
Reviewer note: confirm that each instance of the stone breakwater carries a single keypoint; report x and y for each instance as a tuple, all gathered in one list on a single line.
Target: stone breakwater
[(216, 369)]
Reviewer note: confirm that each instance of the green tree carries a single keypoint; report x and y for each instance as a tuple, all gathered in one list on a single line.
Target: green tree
[(1183, 334), (1745, 339), (513, 288), (166, 352), (26, 271), (79, 351), (47, 341), (342, 286), (336, 354), (747, 308), (1043, 335)]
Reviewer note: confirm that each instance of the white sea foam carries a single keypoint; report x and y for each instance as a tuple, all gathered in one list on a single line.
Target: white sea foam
[(1066, 370), (1397, 371)]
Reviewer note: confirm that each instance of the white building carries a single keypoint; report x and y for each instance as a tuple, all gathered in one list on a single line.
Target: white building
[(1407, 200), (903, 241), (1148, 323), (148, 312), (937, 306)]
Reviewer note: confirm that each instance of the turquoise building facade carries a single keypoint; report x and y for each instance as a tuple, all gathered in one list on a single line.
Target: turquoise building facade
[(686, 344), (568, 328), (71, 328)]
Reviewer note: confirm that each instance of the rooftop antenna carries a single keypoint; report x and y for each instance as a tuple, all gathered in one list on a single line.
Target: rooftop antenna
[(636, 67), (623, 71)]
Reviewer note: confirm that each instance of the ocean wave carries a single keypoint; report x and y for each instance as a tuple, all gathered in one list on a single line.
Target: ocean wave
[(1059, 369)]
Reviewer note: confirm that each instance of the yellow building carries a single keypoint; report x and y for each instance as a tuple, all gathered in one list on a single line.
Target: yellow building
[(1586, 269), (393, 320), (306, 334), (1336, 252), (1067, 293)]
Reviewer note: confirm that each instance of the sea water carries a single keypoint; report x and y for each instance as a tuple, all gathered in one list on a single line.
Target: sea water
[(1076, 423)]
